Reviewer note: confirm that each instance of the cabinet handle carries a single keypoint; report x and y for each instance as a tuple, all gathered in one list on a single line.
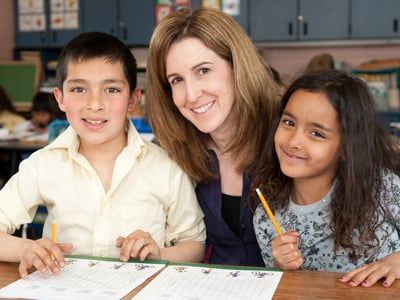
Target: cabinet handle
[(305, 28), (290, 28), (125, 32), (42, 37), (395, 25)]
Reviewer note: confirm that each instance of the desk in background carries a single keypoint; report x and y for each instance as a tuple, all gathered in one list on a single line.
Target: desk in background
[(15, 148), (293, 285)]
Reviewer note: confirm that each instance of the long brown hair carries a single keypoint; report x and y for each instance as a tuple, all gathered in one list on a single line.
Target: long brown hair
[(255, 92), (367, 151)]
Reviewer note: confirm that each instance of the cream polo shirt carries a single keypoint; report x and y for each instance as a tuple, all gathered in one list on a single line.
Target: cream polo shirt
[(148, 192)]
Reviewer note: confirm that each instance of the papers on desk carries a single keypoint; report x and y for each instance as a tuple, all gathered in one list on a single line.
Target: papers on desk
[(84, 279), (200, 282), (28, 136)]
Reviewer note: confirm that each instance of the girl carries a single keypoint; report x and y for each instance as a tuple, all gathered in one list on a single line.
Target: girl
[(333, 185)]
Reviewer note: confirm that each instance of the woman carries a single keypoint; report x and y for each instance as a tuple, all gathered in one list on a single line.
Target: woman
[(210, 101)]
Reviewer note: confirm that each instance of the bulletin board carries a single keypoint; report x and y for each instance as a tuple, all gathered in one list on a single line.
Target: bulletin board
[(20, 80)]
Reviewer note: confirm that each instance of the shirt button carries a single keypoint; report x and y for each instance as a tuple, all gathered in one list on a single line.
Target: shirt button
[(243, 226)]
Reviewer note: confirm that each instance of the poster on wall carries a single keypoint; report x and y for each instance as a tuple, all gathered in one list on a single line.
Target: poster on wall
[(211, 3), (231, 7), (165, 7), (29, 6), (162, 11), (178, 4), (31, 15), (64, 14)]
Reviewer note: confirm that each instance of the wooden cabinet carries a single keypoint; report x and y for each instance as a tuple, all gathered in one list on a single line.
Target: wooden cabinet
[(38, 24), (290, 20), (375, 19)]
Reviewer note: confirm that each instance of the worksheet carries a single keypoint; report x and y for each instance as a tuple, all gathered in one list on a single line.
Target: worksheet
[(211, 283), (84, 279)]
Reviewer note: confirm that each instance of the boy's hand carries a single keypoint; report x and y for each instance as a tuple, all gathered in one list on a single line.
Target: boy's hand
[(285, 251), (138, 244), (366, 276), (43, 255)]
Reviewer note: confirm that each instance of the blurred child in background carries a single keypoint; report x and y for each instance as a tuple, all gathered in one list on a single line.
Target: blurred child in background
[(43, 112), (9, 119)]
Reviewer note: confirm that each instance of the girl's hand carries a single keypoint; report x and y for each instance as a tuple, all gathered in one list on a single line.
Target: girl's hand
[(285, 251), (366, 276), (43, 255), (138, 244)]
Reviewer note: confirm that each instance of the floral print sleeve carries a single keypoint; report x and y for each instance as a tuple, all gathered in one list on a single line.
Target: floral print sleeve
[(316, 237), (264, 235)]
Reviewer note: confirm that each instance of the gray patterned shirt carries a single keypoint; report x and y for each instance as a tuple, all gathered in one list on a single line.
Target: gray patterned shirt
[(316, 240)]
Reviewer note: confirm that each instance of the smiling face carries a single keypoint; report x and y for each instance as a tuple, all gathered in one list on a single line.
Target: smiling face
[(96, 100), (202, 85), (308, 138)]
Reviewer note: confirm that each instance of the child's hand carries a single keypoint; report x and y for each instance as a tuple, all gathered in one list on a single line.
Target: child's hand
[(285, 251), (138, 244), (387, 267), (44, 255)]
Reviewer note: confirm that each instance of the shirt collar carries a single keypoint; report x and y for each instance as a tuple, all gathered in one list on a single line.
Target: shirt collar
[(69, 140)]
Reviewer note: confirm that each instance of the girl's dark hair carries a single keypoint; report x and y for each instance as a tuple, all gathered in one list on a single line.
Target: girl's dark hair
[(5, 102), (367, 151)]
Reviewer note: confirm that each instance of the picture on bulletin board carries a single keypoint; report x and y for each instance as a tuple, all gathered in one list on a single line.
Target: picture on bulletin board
[(231, 7), (178, 4), (211, 3), (166, 2), (182, 2), (162, 11)]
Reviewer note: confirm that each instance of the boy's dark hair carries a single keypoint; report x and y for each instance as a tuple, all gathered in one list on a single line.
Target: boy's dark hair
[(367, 151), (92, 45), (5, 102)]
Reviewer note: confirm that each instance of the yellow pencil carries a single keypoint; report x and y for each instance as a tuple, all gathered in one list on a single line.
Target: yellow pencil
[(269, 212), (54, 232), (53, 236)]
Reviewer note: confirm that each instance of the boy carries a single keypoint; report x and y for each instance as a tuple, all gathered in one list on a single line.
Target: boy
[(111, 194)]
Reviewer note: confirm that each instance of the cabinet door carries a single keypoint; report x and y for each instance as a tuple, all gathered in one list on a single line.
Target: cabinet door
[(100, 15), (31, 29), (324, 19), (59, 37), (375, 18), (273, 20), (136, 21)]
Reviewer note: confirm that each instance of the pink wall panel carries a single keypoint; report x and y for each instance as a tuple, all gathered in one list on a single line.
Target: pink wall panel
[(291, 62), (6, 29)]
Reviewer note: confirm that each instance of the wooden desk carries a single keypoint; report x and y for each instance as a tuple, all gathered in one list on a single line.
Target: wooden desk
[(293, 285)]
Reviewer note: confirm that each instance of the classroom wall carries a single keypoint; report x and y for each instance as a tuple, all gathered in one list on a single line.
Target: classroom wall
[(6, 29), (291, 61)]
